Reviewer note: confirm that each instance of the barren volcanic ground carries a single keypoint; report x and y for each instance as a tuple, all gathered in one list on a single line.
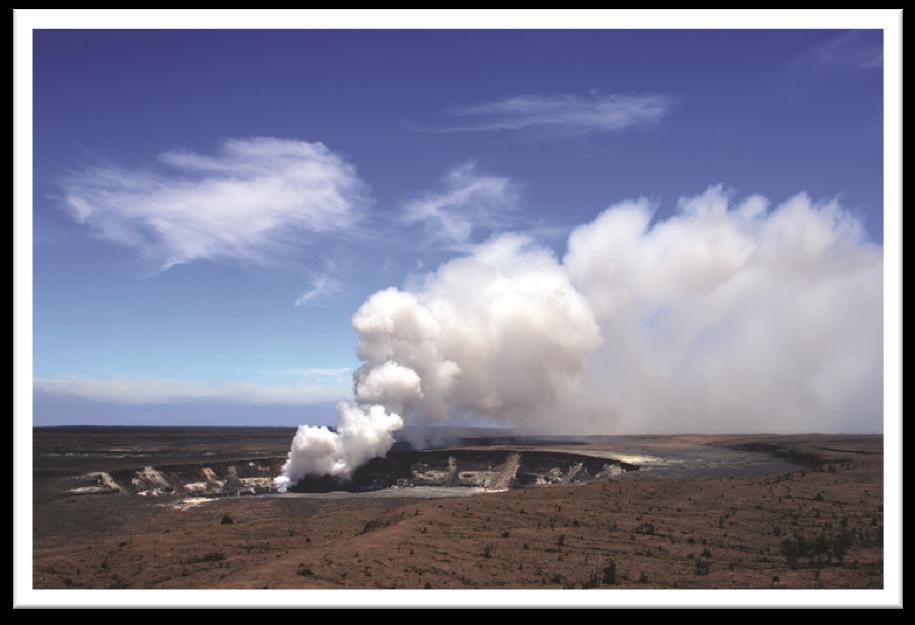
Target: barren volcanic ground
[(194, 508)]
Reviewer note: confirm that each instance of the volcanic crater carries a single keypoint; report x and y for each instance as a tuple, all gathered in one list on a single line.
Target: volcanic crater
[(403, 467), (492, 469)]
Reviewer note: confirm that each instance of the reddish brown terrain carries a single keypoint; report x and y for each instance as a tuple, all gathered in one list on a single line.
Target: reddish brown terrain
[(748, 512)]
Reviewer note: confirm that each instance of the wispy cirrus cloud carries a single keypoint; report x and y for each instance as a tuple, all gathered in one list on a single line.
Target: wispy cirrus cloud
[(247, 202), (129, 390), (564, 114), (467, 202), (854, 49), (323, 286)]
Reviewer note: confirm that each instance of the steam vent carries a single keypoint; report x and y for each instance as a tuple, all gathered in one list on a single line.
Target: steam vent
[(403, 467), (496, 469)]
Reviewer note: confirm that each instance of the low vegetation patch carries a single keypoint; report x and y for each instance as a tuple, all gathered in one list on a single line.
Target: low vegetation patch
[(210, 557)]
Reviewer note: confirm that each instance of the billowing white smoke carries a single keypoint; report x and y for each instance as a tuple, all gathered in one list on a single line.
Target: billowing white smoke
[(720, 318), (362, 433), (500, 334), (732, 319), (391, 385)]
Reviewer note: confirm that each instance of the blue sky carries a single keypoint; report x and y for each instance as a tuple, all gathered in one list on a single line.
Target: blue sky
[(211, 207)]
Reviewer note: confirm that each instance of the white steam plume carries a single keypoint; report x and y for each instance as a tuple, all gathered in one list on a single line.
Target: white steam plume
[(501, 333), (362, 433), (732, 319), (391, 385), (725, 317)]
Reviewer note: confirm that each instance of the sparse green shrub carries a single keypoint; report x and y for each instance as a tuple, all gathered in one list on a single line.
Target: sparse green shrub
[(645, 528), (210, 557), (118, 583), (702, 567), (609, 573), (374, 524), (823, 546)]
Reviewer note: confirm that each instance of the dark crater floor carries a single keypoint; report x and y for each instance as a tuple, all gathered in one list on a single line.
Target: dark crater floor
[(492, 469)]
